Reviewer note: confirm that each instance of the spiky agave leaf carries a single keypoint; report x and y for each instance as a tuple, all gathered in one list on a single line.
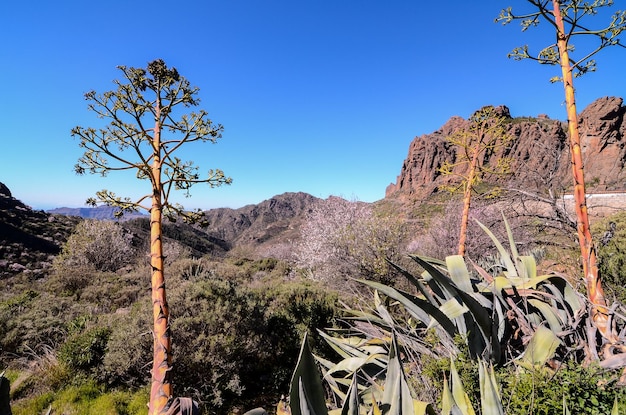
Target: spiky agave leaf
[(352, 403), (510, 269), (490, 401), (306, 394), (458, 392), (397, 398), (540, 349), (482, 327), (419, 308)]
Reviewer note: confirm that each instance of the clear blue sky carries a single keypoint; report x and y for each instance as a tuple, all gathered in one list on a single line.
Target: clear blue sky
[(319, 96)]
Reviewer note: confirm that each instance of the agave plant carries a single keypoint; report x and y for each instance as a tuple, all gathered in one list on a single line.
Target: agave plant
[(508, 314), (497, 315), (392, 396)]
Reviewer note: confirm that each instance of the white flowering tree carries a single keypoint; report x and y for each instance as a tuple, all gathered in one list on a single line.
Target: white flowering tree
[(342, 238)]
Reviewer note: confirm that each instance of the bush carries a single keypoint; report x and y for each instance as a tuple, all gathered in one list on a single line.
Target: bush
[(103, 245), (85, 351), (129, 350), (33, 319), (611, 237), (586, 391), (234, 343)]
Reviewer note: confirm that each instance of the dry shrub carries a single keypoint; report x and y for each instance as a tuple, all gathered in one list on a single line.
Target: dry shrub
[(103, 245), (442, 236)]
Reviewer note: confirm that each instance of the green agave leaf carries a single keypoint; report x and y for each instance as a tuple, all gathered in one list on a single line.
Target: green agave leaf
[(541, 347), (490, 402), (382, 310), (528, 267), (458, 392), (615, 410), (509, 234), (459, 273), (306, 394), (565, 408), (456, 312), (573, 298), (423, 408), (417, 283), (397, 398), (549, 313), (447, 400), (352, 402), (351, 346), (417, 307), (352, 364), (364, 316), (560, 304), (453, 309), (501, 283), (305, 404), (480, 315), (511, 271), (500, 312)]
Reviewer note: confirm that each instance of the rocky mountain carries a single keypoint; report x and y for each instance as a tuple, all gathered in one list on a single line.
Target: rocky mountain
[(265, 229), (270, 225), (539, 150), (29, 239)]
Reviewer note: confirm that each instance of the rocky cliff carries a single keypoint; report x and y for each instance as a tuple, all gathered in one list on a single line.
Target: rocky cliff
[(539, 150)]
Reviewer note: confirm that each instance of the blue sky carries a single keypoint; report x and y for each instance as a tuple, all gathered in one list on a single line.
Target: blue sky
[(317, 96)]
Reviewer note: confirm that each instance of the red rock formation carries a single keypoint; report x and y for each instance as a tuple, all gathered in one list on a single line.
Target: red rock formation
[(539, 150)]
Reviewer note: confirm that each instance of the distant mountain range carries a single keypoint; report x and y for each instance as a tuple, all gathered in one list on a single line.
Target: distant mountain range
[(100, 213)]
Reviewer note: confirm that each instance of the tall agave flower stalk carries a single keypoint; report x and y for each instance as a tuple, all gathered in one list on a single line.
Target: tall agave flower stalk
[(595, 292)]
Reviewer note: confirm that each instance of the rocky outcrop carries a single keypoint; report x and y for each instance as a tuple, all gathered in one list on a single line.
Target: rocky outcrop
[(539, 150), (29, 239), (603, 138)]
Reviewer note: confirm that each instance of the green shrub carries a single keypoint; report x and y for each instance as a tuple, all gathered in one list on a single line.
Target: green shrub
[(138, 402), (85, 397), (586, 391), (612, 254), (235, 343), (103, 245), (34, 323), (37, 405), (85, 351), (128, 354)]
